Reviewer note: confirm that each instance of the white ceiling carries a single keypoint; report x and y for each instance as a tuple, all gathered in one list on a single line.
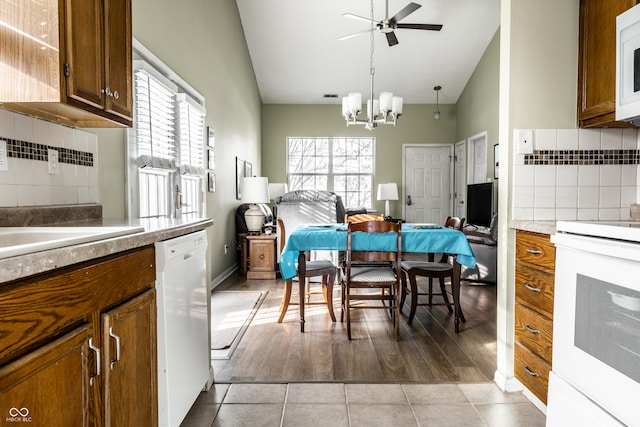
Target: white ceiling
[(298, 58)]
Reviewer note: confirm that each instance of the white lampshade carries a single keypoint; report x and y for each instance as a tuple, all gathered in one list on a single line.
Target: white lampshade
[(277, 189), (386, 192), (355, 102), (397, 105), (345, 106), (386, 102), (254, 190)]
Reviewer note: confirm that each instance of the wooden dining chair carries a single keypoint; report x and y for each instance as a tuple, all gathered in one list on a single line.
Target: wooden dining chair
[(320, 268), (431, 269), (372, 269)]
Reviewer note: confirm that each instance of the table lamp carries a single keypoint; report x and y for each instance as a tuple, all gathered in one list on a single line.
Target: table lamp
[(386, 192), (277, 189), (254, 190)]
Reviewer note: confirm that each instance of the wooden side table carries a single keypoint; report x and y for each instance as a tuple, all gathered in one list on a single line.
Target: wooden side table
[(258, 256)]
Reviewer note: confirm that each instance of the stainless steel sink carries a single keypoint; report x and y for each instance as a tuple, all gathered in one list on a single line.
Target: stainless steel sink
[(24, 240)]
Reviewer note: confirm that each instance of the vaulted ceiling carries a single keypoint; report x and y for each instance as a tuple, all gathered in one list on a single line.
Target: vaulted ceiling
[(298, 57)]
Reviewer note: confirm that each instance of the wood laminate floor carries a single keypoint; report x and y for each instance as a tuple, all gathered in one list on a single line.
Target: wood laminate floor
[(429, 351)]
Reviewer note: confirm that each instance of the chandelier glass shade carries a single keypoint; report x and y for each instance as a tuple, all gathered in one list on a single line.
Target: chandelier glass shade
[(436, 114)]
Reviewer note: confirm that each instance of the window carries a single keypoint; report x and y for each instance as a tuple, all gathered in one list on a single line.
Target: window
[(166, 144), (342, 165)]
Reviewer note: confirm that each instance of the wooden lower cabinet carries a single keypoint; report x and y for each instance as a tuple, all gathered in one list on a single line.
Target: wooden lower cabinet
[(78, 345), (533, 324), (49, 386)]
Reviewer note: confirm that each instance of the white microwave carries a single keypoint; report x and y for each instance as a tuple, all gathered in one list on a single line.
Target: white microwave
[(628, 66)]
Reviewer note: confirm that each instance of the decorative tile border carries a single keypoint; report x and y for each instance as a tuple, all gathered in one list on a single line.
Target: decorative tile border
[(583, 157), (33, 151)]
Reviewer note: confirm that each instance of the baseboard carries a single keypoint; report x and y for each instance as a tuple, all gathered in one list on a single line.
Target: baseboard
[(505, 384), (224, 275)]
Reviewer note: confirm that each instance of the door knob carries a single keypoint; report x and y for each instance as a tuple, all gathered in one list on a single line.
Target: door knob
[(409, 201)]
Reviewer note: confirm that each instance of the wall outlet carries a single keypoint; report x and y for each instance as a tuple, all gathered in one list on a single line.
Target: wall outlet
[(4, 162), (53, 161), (524, 141)]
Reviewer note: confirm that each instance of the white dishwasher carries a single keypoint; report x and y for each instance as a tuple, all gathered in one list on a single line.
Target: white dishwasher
[(183, 325)]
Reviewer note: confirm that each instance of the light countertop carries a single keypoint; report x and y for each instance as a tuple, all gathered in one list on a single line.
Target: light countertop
[(155, 230)]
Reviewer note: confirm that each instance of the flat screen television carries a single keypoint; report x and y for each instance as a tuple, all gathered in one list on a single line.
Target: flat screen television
[(479, 204)]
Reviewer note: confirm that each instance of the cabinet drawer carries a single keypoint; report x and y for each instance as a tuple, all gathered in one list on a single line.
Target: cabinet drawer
[(534, 288), (532, 371), (535, 249), (534, 331)]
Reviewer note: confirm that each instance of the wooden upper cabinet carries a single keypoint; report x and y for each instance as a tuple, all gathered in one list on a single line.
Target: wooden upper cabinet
[(597, 62), (68, 62)]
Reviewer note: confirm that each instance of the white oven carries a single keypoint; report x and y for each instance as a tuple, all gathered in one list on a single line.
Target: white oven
[(596, 326)]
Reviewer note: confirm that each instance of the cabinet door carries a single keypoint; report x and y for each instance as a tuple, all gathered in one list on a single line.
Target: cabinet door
[(49, 386), (118, 57), (84, 49), (129, 363), (597, 61)]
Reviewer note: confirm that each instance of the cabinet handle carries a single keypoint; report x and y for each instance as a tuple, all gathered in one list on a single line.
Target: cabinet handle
[(116, 95), (530, 372), (531, 288), (117, 340), (98, 362), (261, 256), (530, 329), (533, 251), (106, 91)]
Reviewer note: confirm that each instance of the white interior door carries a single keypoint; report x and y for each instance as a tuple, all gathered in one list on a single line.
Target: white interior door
[(477, 172), (427, 183), (460, 179)]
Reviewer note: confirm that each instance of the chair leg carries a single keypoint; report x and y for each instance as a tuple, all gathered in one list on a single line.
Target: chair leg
[(414, 296), (396, 317), (430, 290), (348, 312), (403, 295), (286, 298), (327, 290), (444, 295)]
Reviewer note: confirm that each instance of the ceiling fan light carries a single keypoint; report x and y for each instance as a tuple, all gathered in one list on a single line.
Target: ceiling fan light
[(386, 102), (436, 115), (396, 104)]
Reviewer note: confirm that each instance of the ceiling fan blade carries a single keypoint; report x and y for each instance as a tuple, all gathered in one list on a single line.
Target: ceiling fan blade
[(391, 38), (431, 27), (348, 36), (406, 11), (359, 18)]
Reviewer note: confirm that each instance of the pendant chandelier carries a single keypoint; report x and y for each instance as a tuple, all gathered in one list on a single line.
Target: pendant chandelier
[(385, 111), (436, 114)]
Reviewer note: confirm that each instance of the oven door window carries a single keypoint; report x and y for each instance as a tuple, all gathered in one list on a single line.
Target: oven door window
[(607, 324)]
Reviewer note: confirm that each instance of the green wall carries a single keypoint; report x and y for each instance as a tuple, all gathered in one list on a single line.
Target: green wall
[(203, 42), (478, 104), (415, 126)]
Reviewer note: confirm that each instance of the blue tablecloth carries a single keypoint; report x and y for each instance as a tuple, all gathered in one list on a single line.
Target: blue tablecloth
[(415, 238)]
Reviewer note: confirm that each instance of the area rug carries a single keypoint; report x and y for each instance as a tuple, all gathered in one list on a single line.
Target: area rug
[(231, 314)]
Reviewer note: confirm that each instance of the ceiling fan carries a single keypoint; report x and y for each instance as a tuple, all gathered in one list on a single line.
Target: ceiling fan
[(388, 25)]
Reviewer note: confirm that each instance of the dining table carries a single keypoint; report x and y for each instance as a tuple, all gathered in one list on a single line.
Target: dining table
[(416, 238)]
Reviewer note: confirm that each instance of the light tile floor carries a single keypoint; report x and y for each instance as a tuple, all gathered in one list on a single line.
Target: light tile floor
[(370, 405)]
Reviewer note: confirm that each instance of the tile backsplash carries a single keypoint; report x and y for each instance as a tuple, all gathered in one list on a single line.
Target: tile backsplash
[(28, 181), (577, 174)]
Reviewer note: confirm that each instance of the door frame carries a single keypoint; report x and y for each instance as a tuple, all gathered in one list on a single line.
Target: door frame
[(451, 170)]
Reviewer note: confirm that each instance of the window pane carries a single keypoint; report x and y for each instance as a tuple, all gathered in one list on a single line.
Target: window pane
[(342, 165)]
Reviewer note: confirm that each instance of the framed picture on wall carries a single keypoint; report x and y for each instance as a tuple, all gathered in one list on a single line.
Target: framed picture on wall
[(211, 159), (248, 169), (239, 175), (496, 161), (211, 138)]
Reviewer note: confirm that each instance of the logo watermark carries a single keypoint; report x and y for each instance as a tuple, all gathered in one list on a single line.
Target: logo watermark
[(18, 415)]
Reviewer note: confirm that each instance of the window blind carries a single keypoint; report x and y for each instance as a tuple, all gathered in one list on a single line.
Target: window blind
[(154, 122), (191, 136)]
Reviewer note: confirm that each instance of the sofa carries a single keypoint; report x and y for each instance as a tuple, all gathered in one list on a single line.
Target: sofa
[(310, 207), (485, 249)]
